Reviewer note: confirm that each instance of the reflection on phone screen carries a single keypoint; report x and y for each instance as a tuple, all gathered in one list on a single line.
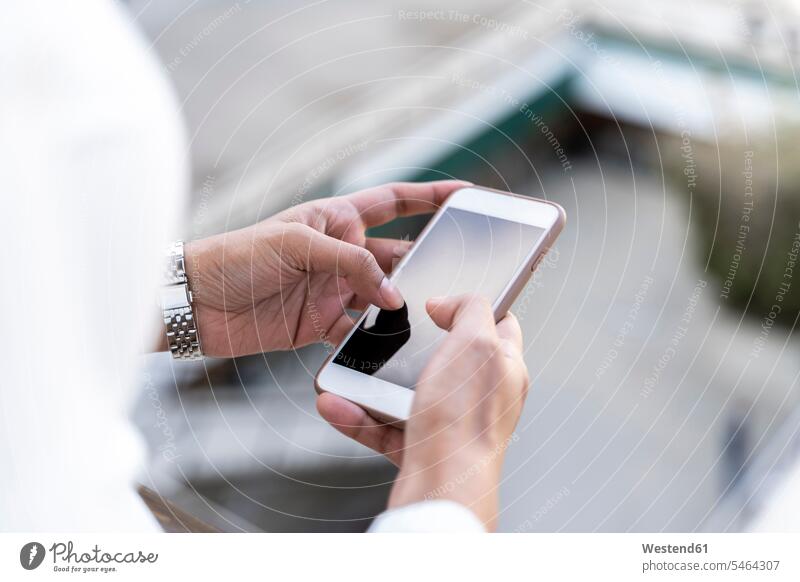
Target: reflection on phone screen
[(463, 252)]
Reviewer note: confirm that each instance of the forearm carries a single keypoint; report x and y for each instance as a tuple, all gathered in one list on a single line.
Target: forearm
[(469, 478)]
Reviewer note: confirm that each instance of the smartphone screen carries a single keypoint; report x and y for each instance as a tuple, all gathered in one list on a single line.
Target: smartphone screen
[(463, 252)]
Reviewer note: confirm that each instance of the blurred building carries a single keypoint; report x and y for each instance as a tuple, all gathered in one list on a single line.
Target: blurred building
[(649, 410)]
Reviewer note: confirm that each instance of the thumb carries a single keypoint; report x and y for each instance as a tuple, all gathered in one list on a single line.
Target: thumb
[(318, 252), (470, 311)]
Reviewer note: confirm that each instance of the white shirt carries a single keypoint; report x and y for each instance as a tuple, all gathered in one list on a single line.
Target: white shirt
[(781, 511), (93, 176)]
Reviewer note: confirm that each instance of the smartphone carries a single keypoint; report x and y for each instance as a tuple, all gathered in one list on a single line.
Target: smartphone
[(480, 240)]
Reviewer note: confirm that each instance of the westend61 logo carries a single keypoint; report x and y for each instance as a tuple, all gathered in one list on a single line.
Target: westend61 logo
[(66, 559)]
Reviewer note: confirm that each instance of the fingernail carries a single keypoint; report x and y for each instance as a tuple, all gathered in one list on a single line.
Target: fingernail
[(391, 295), (437, 299)]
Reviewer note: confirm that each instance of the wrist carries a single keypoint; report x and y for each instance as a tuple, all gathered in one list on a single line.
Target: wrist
[(177, 305), (471, 479)]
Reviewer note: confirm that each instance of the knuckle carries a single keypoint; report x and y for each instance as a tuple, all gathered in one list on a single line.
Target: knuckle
[(520, 373), (392, 187), (526, 381), (385, 444), (526, 375), (293, 242), (476, 301), (482, 301), (363, 260), (484, 345), (295, 232), (343, 210)]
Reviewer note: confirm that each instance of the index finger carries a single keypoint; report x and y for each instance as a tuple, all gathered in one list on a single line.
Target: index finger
[(383, 204)]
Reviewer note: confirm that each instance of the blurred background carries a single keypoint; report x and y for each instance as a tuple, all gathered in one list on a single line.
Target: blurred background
[(664, 378)]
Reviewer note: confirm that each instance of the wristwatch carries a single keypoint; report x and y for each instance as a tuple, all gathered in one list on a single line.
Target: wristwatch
[(176, 303)]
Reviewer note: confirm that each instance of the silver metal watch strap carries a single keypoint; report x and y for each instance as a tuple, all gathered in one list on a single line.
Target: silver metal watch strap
[(176, 302)]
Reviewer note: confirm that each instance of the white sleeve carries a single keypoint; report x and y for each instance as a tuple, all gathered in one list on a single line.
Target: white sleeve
[(91, 181), (436, 516), (781, 510)]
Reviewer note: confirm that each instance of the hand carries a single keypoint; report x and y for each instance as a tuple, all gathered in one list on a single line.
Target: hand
[(287, 281), (467, 403)]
